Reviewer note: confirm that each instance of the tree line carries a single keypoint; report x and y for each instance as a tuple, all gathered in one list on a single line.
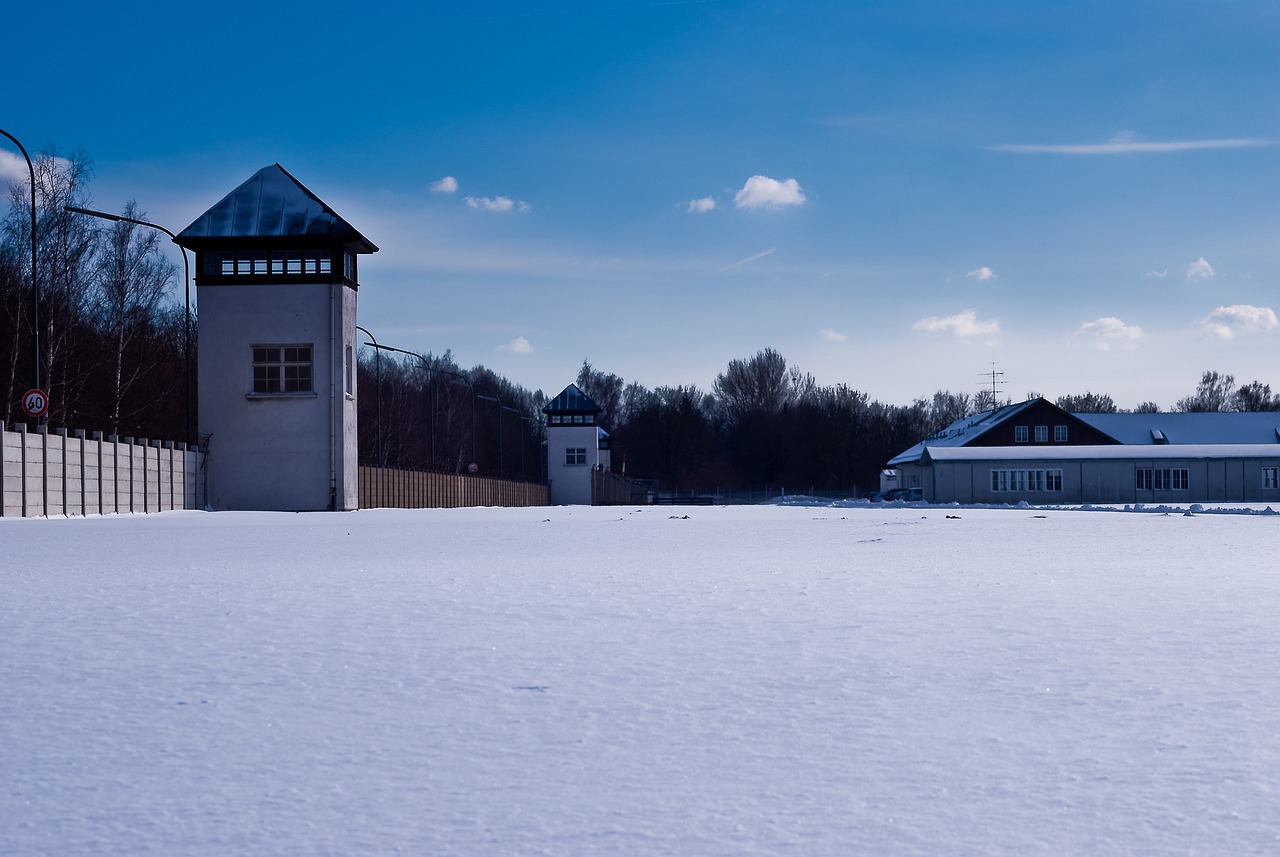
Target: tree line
[(112, 333)]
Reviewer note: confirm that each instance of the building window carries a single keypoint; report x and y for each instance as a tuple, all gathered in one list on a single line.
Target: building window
[(575, 455), (282, 368), (1162, 479), (1026, 481), (350, 373), (1020, 434), (1042, 434), (1270, 477), (1060, 434)]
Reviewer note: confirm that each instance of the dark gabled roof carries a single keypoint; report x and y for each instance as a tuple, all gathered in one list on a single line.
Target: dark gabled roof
[(573, 400), (272, 204), (963, 431)]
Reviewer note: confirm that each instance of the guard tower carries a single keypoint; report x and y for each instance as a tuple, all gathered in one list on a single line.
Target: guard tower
[(276, 283), (576, 447)]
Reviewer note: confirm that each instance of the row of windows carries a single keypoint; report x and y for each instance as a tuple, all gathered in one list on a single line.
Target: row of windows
[(263, 263), (1162, 479), (571, 419), (1026, 480), (1022, 434)]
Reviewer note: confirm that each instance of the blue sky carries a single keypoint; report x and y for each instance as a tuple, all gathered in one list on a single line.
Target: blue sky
[(895, 196)]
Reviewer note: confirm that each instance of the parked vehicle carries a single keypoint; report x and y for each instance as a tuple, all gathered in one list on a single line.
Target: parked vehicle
[(907, 495)]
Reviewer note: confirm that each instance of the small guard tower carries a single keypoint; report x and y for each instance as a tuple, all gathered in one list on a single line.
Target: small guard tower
[(276, 283), (576, 447)]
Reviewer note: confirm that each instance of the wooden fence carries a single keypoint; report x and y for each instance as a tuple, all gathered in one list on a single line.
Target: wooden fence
[(612, 489), (43, 474), (386, 488)]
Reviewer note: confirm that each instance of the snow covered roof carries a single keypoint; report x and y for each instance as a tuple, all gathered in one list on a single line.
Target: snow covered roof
[(1180, 428), (962, 431), (272, 204), (1183, 452)]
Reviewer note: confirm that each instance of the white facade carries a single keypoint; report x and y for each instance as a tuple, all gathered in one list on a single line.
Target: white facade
[(288, 451), (572, 455)]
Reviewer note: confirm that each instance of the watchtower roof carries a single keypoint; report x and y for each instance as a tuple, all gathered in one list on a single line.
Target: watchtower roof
[(571, 400), (272, 204)]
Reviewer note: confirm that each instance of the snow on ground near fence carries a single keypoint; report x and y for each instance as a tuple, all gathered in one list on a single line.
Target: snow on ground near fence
[(565, 681)]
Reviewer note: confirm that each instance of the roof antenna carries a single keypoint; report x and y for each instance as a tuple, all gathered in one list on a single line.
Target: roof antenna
[(996, 383)]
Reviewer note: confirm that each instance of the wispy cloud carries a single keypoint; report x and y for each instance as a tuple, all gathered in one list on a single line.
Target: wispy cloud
[(981, 274), (1226, 322), (448, 184), (499, 204), (1158, 275), (1129, 147), (764, 192), (749, 259), (1110, 332), (519, 345), (701, 206), (1200, 269), (962, 325), (829, 335)]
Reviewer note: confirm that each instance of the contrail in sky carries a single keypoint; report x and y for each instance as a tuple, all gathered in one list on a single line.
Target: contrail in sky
[(741, 262)]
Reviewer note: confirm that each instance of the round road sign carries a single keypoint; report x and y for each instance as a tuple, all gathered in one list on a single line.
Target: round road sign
[(35, 403)]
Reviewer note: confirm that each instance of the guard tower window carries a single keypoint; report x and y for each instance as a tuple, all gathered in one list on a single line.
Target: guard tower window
[(575, 455), (282, 369)]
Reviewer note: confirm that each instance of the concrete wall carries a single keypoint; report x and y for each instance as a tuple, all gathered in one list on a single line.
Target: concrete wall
[(287, 452), (44, 474), (571, 484)]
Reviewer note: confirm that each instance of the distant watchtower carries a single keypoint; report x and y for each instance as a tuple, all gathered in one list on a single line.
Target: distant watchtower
[(576, 446), (276, 281)]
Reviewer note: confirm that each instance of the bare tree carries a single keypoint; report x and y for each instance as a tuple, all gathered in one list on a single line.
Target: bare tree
[(603, 388), (1255, 396), (759, 384), (1087, 403), (1213, 393), (131, 277)]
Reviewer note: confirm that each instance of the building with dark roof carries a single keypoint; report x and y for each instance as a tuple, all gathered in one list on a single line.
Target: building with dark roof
[(577, 446), (1038, 453), (276, 280)]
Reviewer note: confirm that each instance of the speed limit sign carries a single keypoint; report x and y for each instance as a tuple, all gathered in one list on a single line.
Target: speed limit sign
[(35, 403)]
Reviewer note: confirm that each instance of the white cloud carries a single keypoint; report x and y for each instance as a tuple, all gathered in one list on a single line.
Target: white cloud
[(764, 192), (1109, 332), (1159, 275), (1124, 145), (1226, 321), (448, 184), (519, 345), (963, 325), (981, 274), (829, 335), (701, 206), (1200, 269), (13, 168), (500, 204)]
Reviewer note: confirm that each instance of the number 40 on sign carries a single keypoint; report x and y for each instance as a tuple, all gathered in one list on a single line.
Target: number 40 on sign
[(35, 403)]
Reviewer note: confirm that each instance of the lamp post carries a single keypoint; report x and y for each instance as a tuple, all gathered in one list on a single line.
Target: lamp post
[(35, 286), (377, 417), (186, 265)]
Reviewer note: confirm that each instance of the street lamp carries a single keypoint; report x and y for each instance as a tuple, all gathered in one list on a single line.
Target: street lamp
[(186, 265), (377, 417), (35, 286)]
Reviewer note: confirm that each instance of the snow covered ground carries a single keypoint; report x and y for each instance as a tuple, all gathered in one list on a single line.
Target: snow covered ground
[(566, 681)]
